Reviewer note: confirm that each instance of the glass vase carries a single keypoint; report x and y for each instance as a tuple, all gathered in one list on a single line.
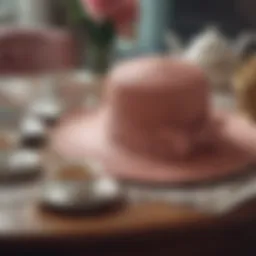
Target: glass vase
[(98, 58)]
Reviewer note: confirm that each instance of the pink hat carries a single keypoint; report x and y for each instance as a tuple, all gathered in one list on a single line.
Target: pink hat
[(156, 125)]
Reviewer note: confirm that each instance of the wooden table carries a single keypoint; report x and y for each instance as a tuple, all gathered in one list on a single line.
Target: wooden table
[(136, 229)]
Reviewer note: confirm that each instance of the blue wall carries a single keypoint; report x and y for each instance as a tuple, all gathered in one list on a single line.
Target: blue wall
[(154, 23)]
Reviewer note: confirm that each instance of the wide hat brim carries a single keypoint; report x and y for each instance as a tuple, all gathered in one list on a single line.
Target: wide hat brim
[(82, 135)]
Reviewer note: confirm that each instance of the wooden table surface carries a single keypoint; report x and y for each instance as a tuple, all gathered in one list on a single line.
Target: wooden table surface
[(23, 223)]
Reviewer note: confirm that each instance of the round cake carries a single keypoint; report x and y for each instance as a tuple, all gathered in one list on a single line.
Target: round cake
[(159, 107)]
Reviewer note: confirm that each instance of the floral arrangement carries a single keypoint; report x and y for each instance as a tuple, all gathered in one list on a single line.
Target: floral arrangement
[(102, 21)]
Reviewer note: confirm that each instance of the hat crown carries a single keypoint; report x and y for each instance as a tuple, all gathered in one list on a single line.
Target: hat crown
[(156, 99)]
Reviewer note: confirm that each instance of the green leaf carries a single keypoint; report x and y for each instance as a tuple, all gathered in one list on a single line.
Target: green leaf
[(101, 34), (76, 11)]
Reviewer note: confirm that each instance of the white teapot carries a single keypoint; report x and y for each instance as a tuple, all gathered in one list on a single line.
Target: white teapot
[(213, 52)]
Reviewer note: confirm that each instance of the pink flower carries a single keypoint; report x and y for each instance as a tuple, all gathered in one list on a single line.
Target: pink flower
[(121, 12)]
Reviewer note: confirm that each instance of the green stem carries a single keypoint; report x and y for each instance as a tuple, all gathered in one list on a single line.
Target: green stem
[(98, 57)]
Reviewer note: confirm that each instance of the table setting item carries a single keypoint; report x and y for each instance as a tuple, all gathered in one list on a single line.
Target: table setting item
[(19, 165), (80, 197), (78, 188), (33, 133)]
